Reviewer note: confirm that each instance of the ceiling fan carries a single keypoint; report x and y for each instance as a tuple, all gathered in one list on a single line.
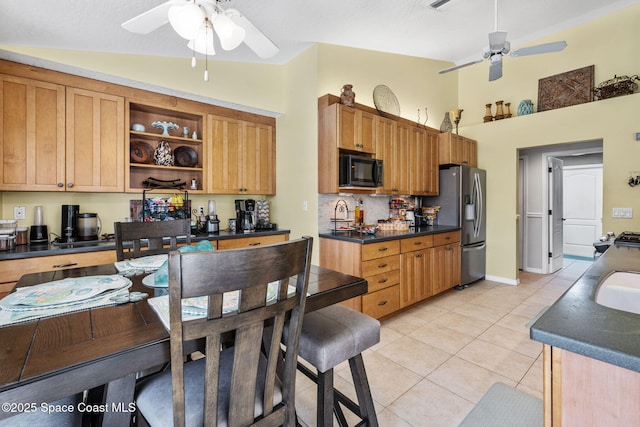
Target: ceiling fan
[(499, 47), (197, 20)]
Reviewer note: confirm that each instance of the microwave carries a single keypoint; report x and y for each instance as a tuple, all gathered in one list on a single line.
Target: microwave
[(359, 171)]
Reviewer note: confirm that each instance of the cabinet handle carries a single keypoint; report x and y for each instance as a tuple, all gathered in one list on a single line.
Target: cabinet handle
[(70, 184), (60, 185), (383, 281), (382, 249), (449, 249), (254, 244), (417, 243), (382, 265), (418, 255), (71, 264), (381, 303)]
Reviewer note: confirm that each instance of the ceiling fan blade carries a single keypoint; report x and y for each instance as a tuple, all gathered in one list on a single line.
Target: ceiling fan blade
[(540, 48), (150, 20), (495, 70), (254, 38), (456, 67), (497, 40)]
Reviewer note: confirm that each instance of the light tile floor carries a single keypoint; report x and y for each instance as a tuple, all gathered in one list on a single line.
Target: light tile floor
[(436, 360)]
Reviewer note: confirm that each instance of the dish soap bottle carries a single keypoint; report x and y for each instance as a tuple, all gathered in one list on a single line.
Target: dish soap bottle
[(356, 216)]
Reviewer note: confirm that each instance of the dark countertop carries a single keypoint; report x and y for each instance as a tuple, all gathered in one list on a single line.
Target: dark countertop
[(575, 322), (381, 236), (31, 251)]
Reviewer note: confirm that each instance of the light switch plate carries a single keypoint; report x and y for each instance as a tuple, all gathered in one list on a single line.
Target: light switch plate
[(626, 213)]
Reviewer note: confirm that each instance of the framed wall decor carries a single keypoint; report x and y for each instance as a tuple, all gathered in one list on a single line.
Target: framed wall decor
[(565, 89)]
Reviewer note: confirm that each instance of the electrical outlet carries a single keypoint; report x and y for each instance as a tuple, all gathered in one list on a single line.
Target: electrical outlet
[(201, 210), (19, 212)]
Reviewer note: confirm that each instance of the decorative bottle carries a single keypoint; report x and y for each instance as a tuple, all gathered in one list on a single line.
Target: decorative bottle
[(348, 96)]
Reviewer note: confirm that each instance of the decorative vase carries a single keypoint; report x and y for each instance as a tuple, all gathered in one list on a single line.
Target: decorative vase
[(488, 115), (499, 113), (507, 110), (348, 96), (163, 155), (525, 107), (446, 125)]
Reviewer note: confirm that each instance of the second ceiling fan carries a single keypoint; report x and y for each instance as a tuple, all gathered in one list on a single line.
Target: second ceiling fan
[(499, 47)]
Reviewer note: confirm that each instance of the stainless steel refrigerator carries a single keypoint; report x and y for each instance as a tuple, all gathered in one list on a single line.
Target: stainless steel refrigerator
[(462, 200)]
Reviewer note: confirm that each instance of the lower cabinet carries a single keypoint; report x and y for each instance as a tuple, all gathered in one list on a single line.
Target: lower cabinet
[(243, 242), (399, 272)]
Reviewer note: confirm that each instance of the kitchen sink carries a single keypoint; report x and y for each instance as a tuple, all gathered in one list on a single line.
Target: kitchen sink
[(620, 290)]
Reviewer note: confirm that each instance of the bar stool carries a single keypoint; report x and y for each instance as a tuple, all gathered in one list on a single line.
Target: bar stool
[(329, 337)]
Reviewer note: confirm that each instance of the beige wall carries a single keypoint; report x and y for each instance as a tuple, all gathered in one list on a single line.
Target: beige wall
[(611, 44)]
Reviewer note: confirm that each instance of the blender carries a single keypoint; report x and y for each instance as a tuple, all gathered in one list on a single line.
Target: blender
[(39, 233), (213, 224)]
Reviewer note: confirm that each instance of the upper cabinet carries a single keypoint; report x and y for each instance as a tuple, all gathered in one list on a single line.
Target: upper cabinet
[(32, 135), (242, 156), (57, 139), (424, 163), (95, 141), (186, 143), (393, 145), (351, 129), (457, 150)]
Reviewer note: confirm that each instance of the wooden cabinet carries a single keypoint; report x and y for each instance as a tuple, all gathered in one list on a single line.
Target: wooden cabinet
[(95, 141), (424, 163), (446, 261), (581, 391), (352, 129), (393, 147), (140, 164), (415, 270), (242, 157), (32, 135), (457, 150), (60, 139)]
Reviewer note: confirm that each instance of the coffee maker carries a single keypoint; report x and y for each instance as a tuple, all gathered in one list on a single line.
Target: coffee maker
[(68, 229), (245, 212)]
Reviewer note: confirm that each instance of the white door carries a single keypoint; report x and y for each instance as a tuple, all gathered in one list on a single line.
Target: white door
[(555, 214), (582, 205)]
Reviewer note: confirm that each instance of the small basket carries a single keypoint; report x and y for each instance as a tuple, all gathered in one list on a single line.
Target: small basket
[(617, 86)]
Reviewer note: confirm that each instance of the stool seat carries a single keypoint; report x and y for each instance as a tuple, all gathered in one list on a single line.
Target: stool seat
[(330, 336), (335, 334)]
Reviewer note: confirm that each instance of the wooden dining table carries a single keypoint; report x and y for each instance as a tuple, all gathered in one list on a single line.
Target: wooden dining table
[(106, 347)]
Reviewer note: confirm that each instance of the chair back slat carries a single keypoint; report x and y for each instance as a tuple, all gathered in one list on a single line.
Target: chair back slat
[(262, 373), (138, 239)]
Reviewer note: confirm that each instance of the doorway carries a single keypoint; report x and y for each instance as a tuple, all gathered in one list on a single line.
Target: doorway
[(534, 231)]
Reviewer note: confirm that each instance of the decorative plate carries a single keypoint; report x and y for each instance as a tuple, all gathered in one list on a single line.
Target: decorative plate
[(150, 281), (185, 157), (386, 102), (141, 152)]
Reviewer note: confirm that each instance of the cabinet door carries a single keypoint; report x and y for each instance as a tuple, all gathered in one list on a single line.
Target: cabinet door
[(95, 141), (366, 131), (347, 128), (385, 145), (446, 267), (424, 163), (415, 276), (32, 135), (402, 161), (226, 155), (245, 242), (259, 156), (470, 153)]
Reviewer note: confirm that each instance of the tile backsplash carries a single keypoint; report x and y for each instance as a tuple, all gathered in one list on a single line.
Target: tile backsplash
[(375, 208)]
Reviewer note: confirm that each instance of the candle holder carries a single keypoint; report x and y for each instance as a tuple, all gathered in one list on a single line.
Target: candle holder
[(456, 115)]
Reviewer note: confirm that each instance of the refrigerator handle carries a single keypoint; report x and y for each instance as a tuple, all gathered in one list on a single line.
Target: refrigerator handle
[(479, 203), (473, 248)]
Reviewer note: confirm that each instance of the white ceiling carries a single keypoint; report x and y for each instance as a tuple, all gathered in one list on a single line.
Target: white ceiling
[(458, 33)]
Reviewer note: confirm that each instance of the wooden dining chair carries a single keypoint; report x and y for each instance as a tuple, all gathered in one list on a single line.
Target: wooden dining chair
[(252, 380), (149, 238)]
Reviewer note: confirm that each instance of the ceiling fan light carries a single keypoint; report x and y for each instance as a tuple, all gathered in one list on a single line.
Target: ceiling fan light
[(203, 41), (186, 19), (230, 34)]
